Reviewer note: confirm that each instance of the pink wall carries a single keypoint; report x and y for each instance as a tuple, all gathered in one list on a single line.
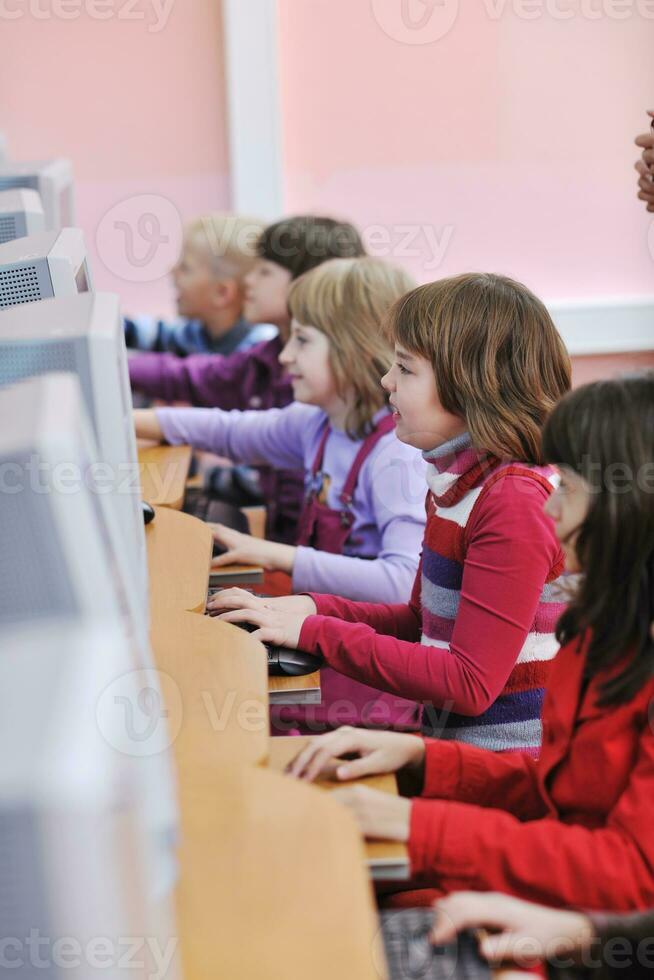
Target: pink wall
[(508, 141), (138, 105)]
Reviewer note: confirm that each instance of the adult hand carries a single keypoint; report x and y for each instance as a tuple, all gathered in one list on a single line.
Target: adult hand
[(380, 816), (645, 167), (277, 624), (378, 752), (243, 549), (523, 932)]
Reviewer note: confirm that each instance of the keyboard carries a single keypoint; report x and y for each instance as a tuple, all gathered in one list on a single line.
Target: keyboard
[(411, 956)]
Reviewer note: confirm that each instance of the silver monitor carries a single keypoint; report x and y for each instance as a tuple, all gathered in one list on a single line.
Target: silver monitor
[(53, 179), (63, 560), (47, 264), (21, 214), (83, 334), (74, 840)]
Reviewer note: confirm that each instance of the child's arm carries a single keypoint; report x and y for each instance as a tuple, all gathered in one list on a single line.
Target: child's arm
[(464, 846), (208, 380), (392, 486), (146, 424), (275, 436), (512, 551)]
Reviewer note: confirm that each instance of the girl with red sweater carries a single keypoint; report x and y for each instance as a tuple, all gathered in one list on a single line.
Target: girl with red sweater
[(478, 367), (573, 828)]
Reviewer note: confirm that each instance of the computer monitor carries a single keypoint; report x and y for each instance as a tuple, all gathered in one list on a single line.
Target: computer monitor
[(75, 863), (62, 557), (53, 179), (83, 334), (50, 263), (21, 214), (4, 153)]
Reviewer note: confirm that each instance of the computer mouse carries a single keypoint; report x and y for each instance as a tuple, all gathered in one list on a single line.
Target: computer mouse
[(148, 512), (291, 663)]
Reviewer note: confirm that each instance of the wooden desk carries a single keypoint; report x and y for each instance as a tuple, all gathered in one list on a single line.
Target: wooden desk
[(164, 470), (386, 860), (271, 883)]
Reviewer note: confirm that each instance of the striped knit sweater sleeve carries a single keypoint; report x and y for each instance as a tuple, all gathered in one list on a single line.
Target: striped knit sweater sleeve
[(474, 629)]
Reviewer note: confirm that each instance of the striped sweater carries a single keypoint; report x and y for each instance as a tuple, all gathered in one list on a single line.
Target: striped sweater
[(475, 643), (460, 481)]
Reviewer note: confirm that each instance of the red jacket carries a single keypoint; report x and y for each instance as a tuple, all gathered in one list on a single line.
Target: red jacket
[(573, 828)]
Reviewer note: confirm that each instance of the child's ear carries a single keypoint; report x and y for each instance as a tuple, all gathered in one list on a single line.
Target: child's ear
[(227, 292)]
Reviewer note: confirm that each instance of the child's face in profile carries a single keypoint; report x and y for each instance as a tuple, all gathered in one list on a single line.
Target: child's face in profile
[(306, 358), (568, 506), (420, 419), (197, 286), (266, 293)]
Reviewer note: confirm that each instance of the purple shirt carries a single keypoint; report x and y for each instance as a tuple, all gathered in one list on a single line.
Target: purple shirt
[(388, 505), (247, 379)]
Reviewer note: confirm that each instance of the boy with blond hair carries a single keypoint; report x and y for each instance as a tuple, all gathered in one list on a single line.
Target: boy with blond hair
[(218, 251)]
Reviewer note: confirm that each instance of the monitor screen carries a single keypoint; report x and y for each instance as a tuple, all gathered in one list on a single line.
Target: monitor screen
[(81, 279)]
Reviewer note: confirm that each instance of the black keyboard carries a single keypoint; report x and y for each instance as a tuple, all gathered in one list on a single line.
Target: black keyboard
[(411, 956)]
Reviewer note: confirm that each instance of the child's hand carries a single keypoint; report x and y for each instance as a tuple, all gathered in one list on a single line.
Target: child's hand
[(146, 424), (378, 752), (524, 932), (645, 167), (277, 624), (381, 816), (243, 549)]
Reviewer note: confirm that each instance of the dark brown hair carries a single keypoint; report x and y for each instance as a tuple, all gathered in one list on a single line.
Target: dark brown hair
[(604, 432), (300, 244), (498, 359)]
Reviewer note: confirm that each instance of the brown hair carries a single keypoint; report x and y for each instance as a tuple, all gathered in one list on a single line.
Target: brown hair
[(603, 432), (304, 242), (498, 359), (347, 300)]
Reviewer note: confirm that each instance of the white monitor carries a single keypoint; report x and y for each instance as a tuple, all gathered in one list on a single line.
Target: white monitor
[(4, 153), (62, 558), (83, 334), (53, 179), (21, 214), (60, 538), (74, 843), (47, 264)]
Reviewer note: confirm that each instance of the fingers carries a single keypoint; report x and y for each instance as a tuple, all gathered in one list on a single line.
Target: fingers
[(232, 557), (234, 599), (367, 765), (320, 751), (646, 140), (259, 617), (458, 911)]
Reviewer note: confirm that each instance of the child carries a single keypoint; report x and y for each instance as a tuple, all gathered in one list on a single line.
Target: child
[(254, 378), (360, 529), (478, 367), (574, 828), (217, 253)]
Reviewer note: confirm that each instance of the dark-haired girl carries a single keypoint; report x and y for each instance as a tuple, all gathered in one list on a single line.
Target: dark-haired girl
[(575, 827)]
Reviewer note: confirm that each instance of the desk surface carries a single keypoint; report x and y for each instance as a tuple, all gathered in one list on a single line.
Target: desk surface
[(282, 750), (182, 545), (271, 883), (164, 470)]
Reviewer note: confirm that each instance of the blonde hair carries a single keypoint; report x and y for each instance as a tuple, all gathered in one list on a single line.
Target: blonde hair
[(499, 361), (347, 299), (229, 240)]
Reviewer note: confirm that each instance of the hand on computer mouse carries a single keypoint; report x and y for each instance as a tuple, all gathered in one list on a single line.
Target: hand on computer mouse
[(277, 626), (228, 599)]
